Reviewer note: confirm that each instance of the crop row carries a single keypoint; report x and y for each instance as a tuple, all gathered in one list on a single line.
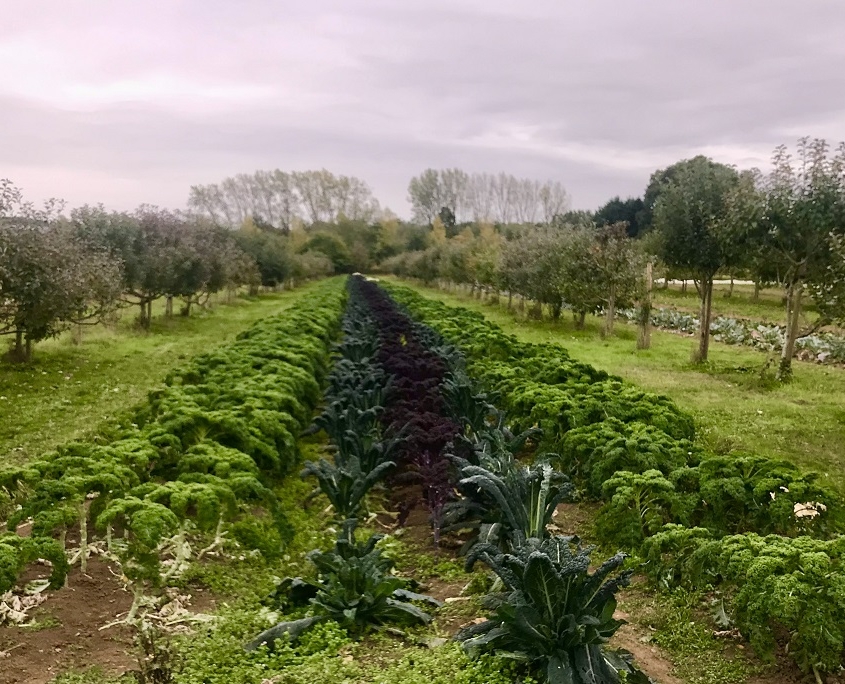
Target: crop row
[(202, 454), (760, 528), (399, 409)]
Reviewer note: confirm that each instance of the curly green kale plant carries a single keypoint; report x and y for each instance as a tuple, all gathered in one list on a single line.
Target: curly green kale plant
[(638, 506)]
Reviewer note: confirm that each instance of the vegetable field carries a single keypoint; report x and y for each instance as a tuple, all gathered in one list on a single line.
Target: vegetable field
[(375, 487)]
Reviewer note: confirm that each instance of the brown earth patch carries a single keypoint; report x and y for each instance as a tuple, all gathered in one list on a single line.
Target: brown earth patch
[(87, 603)]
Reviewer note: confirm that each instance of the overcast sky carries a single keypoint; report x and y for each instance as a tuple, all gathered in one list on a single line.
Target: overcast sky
[(123, 101)]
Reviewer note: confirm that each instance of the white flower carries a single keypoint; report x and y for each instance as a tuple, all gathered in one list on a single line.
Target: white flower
[(810, 509)]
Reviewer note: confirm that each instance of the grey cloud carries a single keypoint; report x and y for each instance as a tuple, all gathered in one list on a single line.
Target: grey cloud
[(595, 93)]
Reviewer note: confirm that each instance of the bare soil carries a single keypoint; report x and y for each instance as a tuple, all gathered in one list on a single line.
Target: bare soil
[(35, 656)]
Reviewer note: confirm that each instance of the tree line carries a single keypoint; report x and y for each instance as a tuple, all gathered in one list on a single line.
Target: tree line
[(456, 196), (62, 270), (280, 199), (697, 219)]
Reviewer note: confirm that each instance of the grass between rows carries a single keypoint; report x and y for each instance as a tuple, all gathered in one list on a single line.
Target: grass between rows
[(734, 398), (75, 384), (769, 306)]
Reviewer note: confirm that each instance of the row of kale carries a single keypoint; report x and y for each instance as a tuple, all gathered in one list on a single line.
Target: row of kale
[(696, 517), (204, 452)]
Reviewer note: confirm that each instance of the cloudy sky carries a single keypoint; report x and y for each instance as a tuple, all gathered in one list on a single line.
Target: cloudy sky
[(124, 102)]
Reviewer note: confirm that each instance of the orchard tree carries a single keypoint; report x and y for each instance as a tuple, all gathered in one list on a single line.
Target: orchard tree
[(271, 254), (618, 210), (690, 214), (620, 265), (332, 246), (50, 277), (801, 233), (580, 278)]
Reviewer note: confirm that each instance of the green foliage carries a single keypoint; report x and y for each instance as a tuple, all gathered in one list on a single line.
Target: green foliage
[(217, 657), (638, 506), (555, 614), (779, 583), (261, 535), (507, 500), (345, 484), (17, 553), (592, 454), (354, 588), (205, 447), (745, 493), (671, 560)]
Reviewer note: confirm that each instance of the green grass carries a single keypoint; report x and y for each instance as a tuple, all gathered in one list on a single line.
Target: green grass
[(678, 623), (734, 399), (73, 385), (769, 307)]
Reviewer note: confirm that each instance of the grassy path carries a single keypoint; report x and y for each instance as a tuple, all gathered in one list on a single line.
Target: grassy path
[(768, 307), (69, 389), (736, 403)]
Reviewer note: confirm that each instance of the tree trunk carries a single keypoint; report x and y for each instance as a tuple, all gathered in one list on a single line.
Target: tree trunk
[(580, 320), (168, 307), (510, 299), (27, 349), (610, 312), (19, 344), (521, 303), (186, 310), (83, 537), (684, 286), (666, 283), (731, 288), (756, 290), (556, 309), (537, 311), (793, 320), (644, 323), (145, 315), (700, 356)]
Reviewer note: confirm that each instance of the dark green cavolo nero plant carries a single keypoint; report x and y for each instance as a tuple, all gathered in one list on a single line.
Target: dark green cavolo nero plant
[(354, 587), (505, 501), (345, 483), (554, 613)]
